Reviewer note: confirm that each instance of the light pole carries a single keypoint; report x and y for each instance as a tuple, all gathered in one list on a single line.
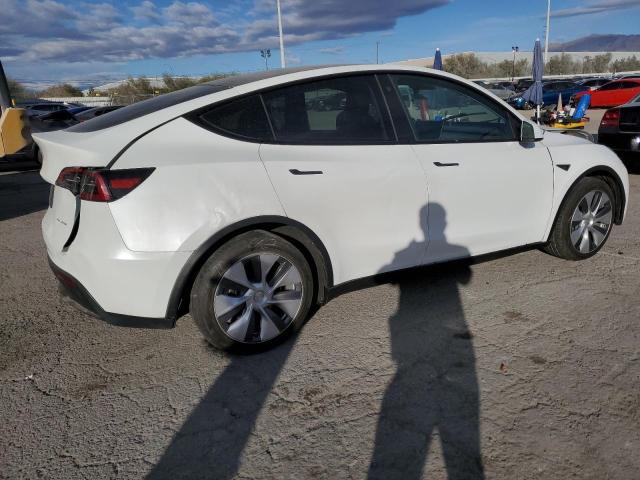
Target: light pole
[(282, 61), (377, 51), (513, 65), (546, 33), (266, 53)]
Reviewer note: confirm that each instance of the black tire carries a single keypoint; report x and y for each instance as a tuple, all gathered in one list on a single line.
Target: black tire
[(559, 243), (221, 260)]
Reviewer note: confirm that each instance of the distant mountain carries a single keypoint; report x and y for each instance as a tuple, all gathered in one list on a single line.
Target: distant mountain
[(599, 43)]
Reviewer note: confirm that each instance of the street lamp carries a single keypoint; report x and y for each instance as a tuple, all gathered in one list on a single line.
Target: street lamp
[(513, 64), (265, 53)]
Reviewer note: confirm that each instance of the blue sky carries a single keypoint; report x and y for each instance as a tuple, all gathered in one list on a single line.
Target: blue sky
[(55, 40)]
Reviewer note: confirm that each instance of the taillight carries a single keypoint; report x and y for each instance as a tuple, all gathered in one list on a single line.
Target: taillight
[(611, 118), (98, 185)]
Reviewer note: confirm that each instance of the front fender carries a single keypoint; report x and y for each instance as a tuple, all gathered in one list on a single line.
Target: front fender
[(574, 158)]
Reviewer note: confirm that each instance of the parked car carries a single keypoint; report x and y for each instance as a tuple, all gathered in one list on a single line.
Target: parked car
[(613, 93), (95, 112), (620, 127), (495, 88), (507, 84), (237, 201), (35, 109), (522, 84), (552, 89)]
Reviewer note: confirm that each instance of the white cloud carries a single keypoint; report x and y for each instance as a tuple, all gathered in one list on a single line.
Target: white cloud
[(332, 50), (48, 30), (596, 6)]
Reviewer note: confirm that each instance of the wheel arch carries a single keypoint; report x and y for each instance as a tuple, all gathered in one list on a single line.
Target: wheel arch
[(293, 231), (610, 176)]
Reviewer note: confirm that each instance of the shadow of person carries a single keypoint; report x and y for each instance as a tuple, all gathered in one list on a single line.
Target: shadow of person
[(435, 386), (211, 441)]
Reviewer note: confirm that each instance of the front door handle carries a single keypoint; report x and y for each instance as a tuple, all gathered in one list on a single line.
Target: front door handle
[(438, 164), (295, 171)]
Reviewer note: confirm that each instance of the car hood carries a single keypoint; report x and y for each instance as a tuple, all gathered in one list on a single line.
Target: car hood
[(560, 139)]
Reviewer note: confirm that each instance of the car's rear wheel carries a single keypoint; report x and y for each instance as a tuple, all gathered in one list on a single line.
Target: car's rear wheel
[(584, 221), (252, 292)]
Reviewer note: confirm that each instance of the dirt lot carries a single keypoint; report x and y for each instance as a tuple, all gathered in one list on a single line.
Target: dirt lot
[(525, 366)]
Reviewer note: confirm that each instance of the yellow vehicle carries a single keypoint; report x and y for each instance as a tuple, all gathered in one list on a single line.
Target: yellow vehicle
[(15, 133)]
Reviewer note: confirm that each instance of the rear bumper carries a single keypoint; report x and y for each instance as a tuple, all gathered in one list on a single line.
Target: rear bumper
[(72, 289), (107, 278), (621, 142)]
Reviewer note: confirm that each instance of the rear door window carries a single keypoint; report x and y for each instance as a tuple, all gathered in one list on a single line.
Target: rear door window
[(344, 110)]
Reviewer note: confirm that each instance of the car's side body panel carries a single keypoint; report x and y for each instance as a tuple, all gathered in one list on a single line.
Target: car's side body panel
[(202, 183), (494, 196), (367, 205)]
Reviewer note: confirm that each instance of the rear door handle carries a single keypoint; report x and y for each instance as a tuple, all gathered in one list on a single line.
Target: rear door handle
[(438, 164), (295, 171)]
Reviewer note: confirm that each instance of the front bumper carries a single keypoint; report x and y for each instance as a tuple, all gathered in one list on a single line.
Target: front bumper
[(72, 289)]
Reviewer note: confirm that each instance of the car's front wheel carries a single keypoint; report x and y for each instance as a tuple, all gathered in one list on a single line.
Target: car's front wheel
[(252, 292), (584, 221)]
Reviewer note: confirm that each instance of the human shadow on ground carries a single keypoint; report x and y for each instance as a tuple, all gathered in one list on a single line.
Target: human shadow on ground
[(435, 387), (211, 441)]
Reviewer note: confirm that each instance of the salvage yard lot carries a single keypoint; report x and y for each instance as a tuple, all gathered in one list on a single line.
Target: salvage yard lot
[(545, 365)]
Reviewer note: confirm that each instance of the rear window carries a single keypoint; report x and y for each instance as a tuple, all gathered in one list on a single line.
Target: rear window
[(243, 117), (145, 107)]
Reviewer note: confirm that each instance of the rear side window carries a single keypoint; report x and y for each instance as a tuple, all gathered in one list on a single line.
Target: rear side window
[(243, 117), (629, 85), (338, 111)]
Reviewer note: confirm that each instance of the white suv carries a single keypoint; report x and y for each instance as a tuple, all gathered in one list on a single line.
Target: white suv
[(246, 199)]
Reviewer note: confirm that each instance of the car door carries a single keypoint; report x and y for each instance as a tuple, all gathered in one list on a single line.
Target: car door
[(487, 191), (337, 168), (605, 95), (625, 92)]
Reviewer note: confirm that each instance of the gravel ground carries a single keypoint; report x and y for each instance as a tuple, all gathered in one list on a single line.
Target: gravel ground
[(524, 366)]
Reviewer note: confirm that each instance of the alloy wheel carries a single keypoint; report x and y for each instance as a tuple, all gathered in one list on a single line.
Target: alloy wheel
[(591, 221), (258, 297)]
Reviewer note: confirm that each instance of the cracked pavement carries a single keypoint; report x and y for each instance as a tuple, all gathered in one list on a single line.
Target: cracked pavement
[(524, 366)]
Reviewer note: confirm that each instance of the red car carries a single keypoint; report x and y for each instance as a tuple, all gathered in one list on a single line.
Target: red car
[(613, 93)]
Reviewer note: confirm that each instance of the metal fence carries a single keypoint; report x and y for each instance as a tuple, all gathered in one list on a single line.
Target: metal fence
[(86, 101)]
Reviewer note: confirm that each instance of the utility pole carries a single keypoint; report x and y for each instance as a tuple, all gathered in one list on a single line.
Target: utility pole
[(377, 51), (513, 67), (282, 61), (266, 53), (546, 33)]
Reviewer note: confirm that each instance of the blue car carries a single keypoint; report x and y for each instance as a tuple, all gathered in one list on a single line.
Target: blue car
[(551, 90)]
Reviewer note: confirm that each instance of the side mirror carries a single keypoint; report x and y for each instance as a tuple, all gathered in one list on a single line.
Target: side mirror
[(530, 132)]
